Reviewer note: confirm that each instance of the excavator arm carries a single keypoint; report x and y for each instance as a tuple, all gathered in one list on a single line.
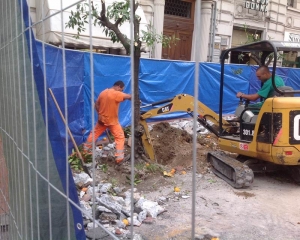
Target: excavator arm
[(232, 171), (182, 103), (185, 103)]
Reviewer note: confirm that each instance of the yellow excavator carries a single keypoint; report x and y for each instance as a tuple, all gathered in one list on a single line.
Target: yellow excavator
[(264, 140)]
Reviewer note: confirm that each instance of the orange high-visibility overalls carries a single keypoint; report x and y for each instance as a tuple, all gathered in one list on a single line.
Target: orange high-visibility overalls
[(109, 101)]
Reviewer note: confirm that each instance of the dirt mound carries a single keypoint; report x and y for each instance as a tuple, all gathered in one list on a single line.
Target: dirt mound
[(174, 147)]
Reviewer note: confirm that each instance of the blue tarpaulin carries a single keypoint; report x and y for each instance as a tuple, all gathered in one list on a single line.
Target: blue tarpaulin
[(158, 80)]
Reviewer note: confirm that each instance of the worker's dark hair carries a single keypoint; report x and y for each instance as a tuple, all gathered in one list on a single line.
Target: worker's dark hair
[(119, 83), (263, 68)]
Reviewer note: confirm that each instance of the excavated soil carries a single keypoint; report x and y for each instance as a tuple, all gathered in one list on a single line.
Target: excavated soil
[(173, 149)]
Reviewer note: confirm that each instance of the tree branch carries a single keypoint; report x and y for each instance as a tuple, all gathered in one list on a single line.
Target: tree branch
[(114, 27), (103, 10), (118, 22)]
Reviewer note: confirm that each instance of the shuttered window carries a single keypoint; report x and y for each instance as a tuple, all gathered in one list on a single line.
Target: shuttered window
[(178, 8)]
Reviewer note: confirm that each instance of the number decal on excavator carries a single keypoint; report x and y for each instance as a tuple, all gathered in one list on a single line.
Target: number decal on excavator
[(296, 127), (248, 132)]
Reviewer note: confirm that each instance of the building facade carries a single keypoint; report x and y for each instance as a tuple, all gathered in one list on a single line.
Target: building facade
[(223, 24)]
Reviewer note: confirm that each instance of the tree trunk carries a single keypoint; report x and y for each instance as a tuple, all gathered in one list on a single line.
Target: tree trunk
[(139, 150)]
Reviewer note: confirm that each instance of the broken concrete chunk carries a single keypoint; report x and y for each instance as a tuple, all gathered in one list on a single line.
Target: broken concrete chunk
[(82, 178), (87, 210), (136, 195), (108, 216), (81, 194), (85, 222), (152, 208), (126, 210), (136, 222), (103, 209), (142, 215), (119, 200), (108, 202), (105, 187), (91, 190), (91, 226), (111, 145), (185, 196), (118, 190), (120, 224), (162, 200)]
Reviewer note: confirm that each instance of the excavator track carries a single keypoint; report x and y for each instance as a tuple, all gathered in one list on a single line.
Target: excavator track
[(235, 173)]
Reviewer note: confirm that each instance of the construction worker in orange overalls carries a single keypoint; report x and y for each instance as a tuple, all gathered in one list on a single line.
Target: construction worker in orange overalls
[(107, 107)]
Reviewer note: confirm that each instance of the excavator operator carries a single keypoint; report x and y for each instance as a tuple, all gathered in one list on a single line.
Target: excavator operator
[(265, 76)]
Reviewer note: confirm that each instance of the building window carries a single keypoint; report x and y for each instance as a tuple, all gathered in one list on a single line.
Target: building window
[(290, 3), (178, 8)]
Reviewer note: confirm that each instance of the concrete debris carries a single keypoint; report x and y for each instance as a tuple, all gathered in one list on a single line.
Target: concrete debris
[(106, 151), (142, 215), (188, 126), (81, 178), (136, 222), (103, 209), (105, 187), (92, 190), (114, 212), (152, 208), (162, 200), (108, 202), (81, 194), (87, 208), (120, 224), (108, 216), (118, 190), (91, 225), (185, 197)]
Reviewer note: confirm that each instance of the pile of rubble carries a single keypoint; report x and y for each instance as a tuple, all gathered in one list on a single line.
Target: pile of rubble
[(107, 209), (113, 207)]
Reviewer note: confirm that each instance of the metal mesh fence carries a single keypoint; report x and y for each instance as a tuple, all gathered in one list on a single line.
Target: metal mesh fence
[(37, 201)]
